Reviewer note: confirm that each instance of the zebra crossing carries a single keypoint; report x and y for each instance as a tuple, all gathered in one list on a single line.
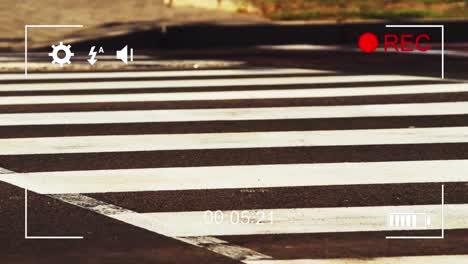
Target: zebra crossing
[(298, 165)]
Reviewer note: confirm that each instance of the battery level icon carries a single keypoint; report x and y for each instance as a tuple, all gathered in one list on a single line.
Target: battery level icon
[(408, 220)]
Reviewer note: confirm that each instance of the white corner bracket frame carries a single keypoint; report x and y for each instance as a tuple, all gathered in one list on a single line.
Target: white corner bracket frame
[(442, 74), (442, 221)]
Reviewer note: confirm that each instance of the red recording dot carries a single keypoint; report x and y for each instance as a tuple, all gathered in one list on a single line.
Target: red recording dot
[(368, 42)]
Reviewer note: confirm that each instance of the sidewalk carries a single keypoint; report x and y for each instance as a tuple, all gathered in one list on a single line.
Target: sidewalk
[(103, 18)]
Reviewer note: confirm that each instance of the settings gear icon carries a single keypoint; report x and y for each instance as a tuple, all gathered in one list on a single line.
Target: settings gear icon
[(61, 60)]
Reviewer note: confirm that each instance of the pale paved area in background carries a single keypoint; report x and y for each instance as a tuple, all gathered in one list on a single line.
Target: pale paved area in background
[(101, 18)]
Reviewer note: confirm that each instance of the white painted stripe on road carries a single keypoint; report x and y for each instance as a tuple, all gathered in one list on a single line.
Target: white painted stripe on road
[(4, 171), (232, 95), (231, 114), (148, 74), (251, 176), (190, 83), (304, 220), (301, 47), (88, 144), (431, 259)]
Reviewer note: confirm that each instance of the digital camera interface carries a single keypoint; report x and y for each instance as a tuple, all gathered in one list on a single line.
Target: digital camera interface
[(234, 131)]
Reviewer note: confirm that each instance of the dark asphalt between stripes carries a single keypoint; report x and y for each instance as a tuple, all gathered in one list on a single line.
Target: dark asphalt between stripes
[(287, 197), (120, 79), (244, 103), (31, 131), (220, 157), (361, 245), (109, 90)]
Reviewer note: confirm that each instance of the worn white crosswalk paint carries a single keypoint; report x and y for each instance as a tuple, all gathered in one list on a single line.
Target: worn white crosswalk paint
[(232, 95), (147, 74), (430, 259), (251, 176), (4, 171), (189, 83), (143, 221), (303, 220), (87, 144), (230, 114)]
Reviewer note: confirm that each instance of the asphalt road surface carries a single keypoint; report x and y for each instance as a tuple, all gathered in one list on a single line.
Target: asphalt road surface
[(252, 165)]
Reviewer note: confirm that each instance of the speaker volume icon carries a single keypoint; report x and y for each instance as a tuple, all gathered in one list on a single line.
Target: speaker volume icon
[(123, 54)]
